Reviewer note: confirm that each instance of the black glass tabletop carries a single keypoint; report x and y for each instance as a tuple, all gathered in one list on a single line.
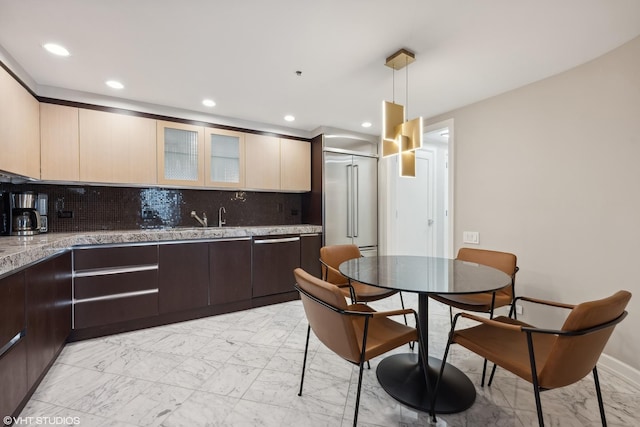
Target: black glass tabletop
[(425, 275)]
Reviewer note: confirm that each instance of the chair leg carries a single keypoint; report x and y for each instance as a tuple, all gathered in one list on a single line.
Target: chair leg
[(450, 315), (534, 378), (484, 372), (444, 362), (405, 317), (536, 391), (355, 416), (599, 394), (304, 362), (493, 372)]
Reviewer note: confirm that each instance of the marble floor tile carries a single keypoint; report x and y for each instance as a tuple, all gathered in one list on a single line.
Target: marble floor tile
[(244, 369)]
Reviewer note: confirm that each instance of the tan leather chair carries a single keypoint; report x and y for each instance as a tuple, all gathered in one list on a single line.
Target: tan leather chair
[(547, 358), (331, 257), (484, 302), (355, 332)]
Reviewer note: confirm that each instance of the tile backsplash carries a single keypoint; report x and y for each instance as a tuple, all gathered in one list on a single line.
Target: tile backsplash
[(93, 208)]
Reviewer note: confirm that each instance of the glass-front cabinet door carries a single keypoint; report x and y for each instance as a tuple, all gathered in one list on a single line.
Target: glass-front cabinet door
[(224, 158), (180, 154)]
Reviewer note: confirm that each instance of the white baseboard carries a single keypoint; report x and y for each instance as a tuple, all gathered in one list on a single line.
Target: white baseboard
[(620, 369)]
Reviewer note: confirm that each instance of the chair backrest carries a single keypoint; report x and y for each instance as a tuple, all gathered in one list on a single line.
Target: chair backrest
[(504, 261), (334, 255), (572, 357), (333, 328)]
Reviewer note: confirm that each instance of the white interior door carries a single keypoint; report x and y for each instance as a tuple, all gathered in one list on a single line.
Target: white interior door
[(414, 216)]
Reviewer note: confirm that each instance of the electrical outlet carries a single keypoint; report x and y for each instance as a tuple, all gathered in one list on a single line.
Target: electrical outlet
[(519, 309), (471, 237)]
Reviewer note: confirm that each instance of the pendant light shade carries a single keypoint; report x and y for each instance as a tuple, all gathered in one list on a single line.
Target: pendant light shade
[(400, 137)]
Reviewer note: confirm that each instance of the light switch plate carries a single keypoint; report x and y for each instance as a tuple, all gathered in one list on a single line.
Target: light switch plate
[(472, 237)]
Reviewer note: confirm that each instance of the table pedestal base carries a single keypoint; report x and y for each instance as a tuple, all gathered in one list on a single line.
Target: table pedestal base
[(401, 376)]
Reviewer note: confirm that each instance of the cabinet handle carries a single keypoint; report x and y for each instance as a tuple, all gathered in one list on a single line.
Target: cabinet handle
[(283, 240), (116, 296), (13, 341), (114, 270)]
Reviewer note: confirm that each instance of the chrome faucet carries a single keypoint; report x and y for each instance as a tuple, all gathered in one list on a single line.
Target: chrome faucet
[(221, 221), (202, 221)]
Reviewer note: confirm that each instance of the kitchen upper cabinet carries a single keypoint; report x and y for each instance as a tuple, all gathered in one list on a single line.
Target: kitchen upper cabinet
[(59, 143), (295, 165), (180, 154), (224, 158), (117, 148), (262, 162), (19, 128), (277, 164)]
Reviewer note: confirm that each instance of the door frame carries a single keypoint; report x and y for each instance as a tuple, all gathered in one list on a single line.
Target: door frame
[(387, 198)]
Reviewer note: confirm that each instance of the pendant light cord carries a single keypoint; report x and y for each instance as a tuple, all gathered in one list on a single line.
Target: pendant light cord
[(406, 66)]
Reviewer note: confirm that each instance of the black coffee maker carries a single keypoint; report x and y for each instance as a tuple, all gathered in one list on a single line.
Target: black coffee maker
[(19, 215)]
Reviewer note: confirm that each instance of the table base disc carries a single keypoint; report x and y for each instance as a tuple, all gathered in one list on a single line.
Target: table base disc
[(401, 376)]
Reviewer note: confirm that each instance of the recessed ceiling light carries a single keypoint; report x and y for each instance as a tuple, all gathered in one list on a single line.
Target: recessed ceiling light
[(113, 84), (56, 49), (289, 118), (366, 124), (209, 103)]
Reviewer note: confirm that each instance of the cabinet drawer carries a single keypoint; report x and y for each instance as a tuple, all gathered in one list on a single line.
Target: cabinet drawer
[(13, 377), (12, 314), (98, 312), (90, 287), (112, 257)]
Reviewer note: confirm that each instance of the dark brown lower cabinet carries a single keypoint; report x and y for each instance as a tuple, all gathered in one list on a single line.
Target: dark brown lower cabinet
[(183, 276), (13, 358), (13, 377), (35, 322), (310, 245), (114, 284), (274, 259), (230, 271), (48, 313)]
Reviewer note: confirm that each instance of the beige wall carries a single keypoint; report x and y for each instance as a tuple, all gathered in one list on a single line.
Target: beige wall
[(551, 172)]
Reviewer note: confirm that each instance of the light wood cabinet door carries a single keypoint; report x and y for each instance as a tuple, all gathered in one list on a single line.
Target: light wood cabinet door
[(295, 165), (117, 148), (19, 128), (180, 154), (224, 158), (262, 162), (59, 143)]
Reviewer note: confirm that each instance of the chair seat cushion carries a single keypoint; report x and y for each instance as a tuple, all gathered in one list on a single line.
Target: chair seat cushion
[(384, 334), (474, 302), (506, 348), (366, 293)]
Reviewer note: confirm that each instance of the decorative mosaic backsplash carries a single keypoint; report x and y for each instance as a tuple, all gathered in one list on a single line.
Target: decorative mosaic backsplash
[(93, 208)]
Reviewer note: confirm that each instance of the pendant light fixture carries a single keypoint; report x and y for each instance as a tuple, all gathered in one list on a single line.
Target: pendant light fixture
[(400, 136)]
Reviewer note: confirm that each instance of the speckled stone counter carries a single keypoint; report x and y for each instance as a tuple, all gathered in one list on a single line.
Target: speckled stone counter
[(17, 252)]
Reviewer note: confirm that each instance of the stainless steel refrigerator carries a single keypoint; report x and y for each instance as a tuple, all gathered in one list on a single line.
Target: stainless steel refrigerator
[(350, 192)]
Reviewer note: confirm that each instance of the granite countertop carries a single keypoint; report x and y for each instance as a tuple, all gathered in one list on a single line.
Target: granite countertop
[(17, 251)]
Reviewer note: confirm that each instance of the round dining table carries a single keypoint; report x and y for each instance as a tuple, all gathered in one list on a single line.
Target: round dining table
[(403, 375)]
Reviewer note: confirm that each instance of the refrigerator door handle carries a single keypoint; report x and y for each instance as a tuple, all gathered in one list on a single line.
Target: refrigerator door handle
[(349, 184), (356, 202)]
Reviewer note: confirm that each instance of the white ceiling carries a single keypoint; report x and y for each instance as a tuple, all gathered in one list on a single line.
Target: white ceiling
[(244, 54)]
